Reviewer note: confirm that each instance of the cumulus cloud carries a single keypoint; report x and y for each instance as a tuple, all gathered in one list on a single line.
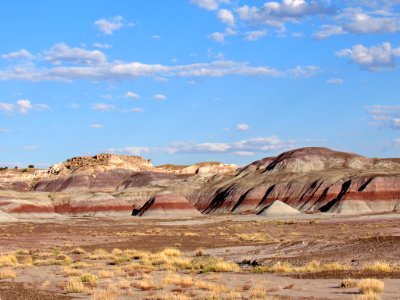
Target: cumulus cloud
[(108, 26), (226, 16), (218, 37), (159, 97), (328, 31), (206, 4), (96, 126), (261, 144), (103, 106), (355, 20), (23, 53), (304, 71), (69, 63), (277, 14), (243, 127), (62, 53), (255, 35), (102, 45), (385, 115), (22, 106), (132, 95), (376, 58), (130, 150)]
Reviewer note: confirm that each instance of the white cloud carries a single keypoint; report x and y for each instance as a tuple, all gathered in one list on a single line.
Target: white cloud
[(22, 106), (355, 20), (226, 17), (376, 58), (4, 130), (137, 110), (159, 97), (102, 46), (243, 127), (108, 26), (218, 37), (130, 150), (277, 14), (23, 53), (255, 35), (7, 107), (262, 144), (207, 4), (96, 126), (335, 81), (62, 53), (328, 31), (103, 106), (93, 66), (155, 37), (132, 95), (244, 153), (304, 71), (385, 115)]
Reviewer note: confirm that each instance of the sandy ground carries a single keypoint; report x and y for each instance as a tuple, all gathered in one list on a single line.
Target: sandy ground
[(245, 240)]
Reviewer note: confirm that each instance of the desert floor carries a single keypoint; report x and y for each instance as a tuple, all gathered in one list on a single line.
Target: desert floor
[(211, 257)]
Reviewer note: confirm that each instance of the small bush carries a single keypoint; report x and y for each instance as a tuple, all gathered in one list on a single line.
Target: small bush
[(368, 286), (74, 285)]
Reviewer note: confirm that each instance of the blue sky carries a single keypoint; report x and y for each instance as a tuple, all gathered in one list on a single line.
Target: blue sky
[(183, 81)]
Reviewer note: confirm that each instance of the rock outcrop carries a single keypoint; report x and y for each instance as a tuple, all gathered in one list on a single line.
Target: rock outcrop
[(168, 205), (311, 179), (307, 179)]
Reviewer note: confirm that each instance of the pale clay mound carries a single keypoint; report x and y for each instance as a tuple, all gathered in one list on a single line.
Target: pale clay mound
[(278, 208), (168, 205)]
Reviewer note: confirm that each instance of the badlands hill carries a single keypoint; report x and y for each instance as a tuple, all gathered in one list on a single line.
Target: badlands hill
[(307, 179)]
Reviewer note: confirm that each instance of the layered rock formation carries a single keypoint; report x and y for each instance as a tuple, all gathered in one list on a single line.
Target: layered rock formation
[(308, 179), (168, 205), (311, 179)]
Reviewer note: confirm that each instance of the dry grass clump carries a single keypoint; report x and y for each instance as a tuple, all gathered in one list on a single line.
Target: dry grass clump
[(145, 283), (78, 251), (105, 274), (74, 285), (378, 266), (216, 265), (368, 286), (99, 254), (175, 279), (279, 267), (349, 283), (209, 286), (88, 278), (8, 260), (252, 237), (61, 260), (104, 294), (369, 296), (257, 294), (68, 271), (171, 252), (233, 295), (7, 274)]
